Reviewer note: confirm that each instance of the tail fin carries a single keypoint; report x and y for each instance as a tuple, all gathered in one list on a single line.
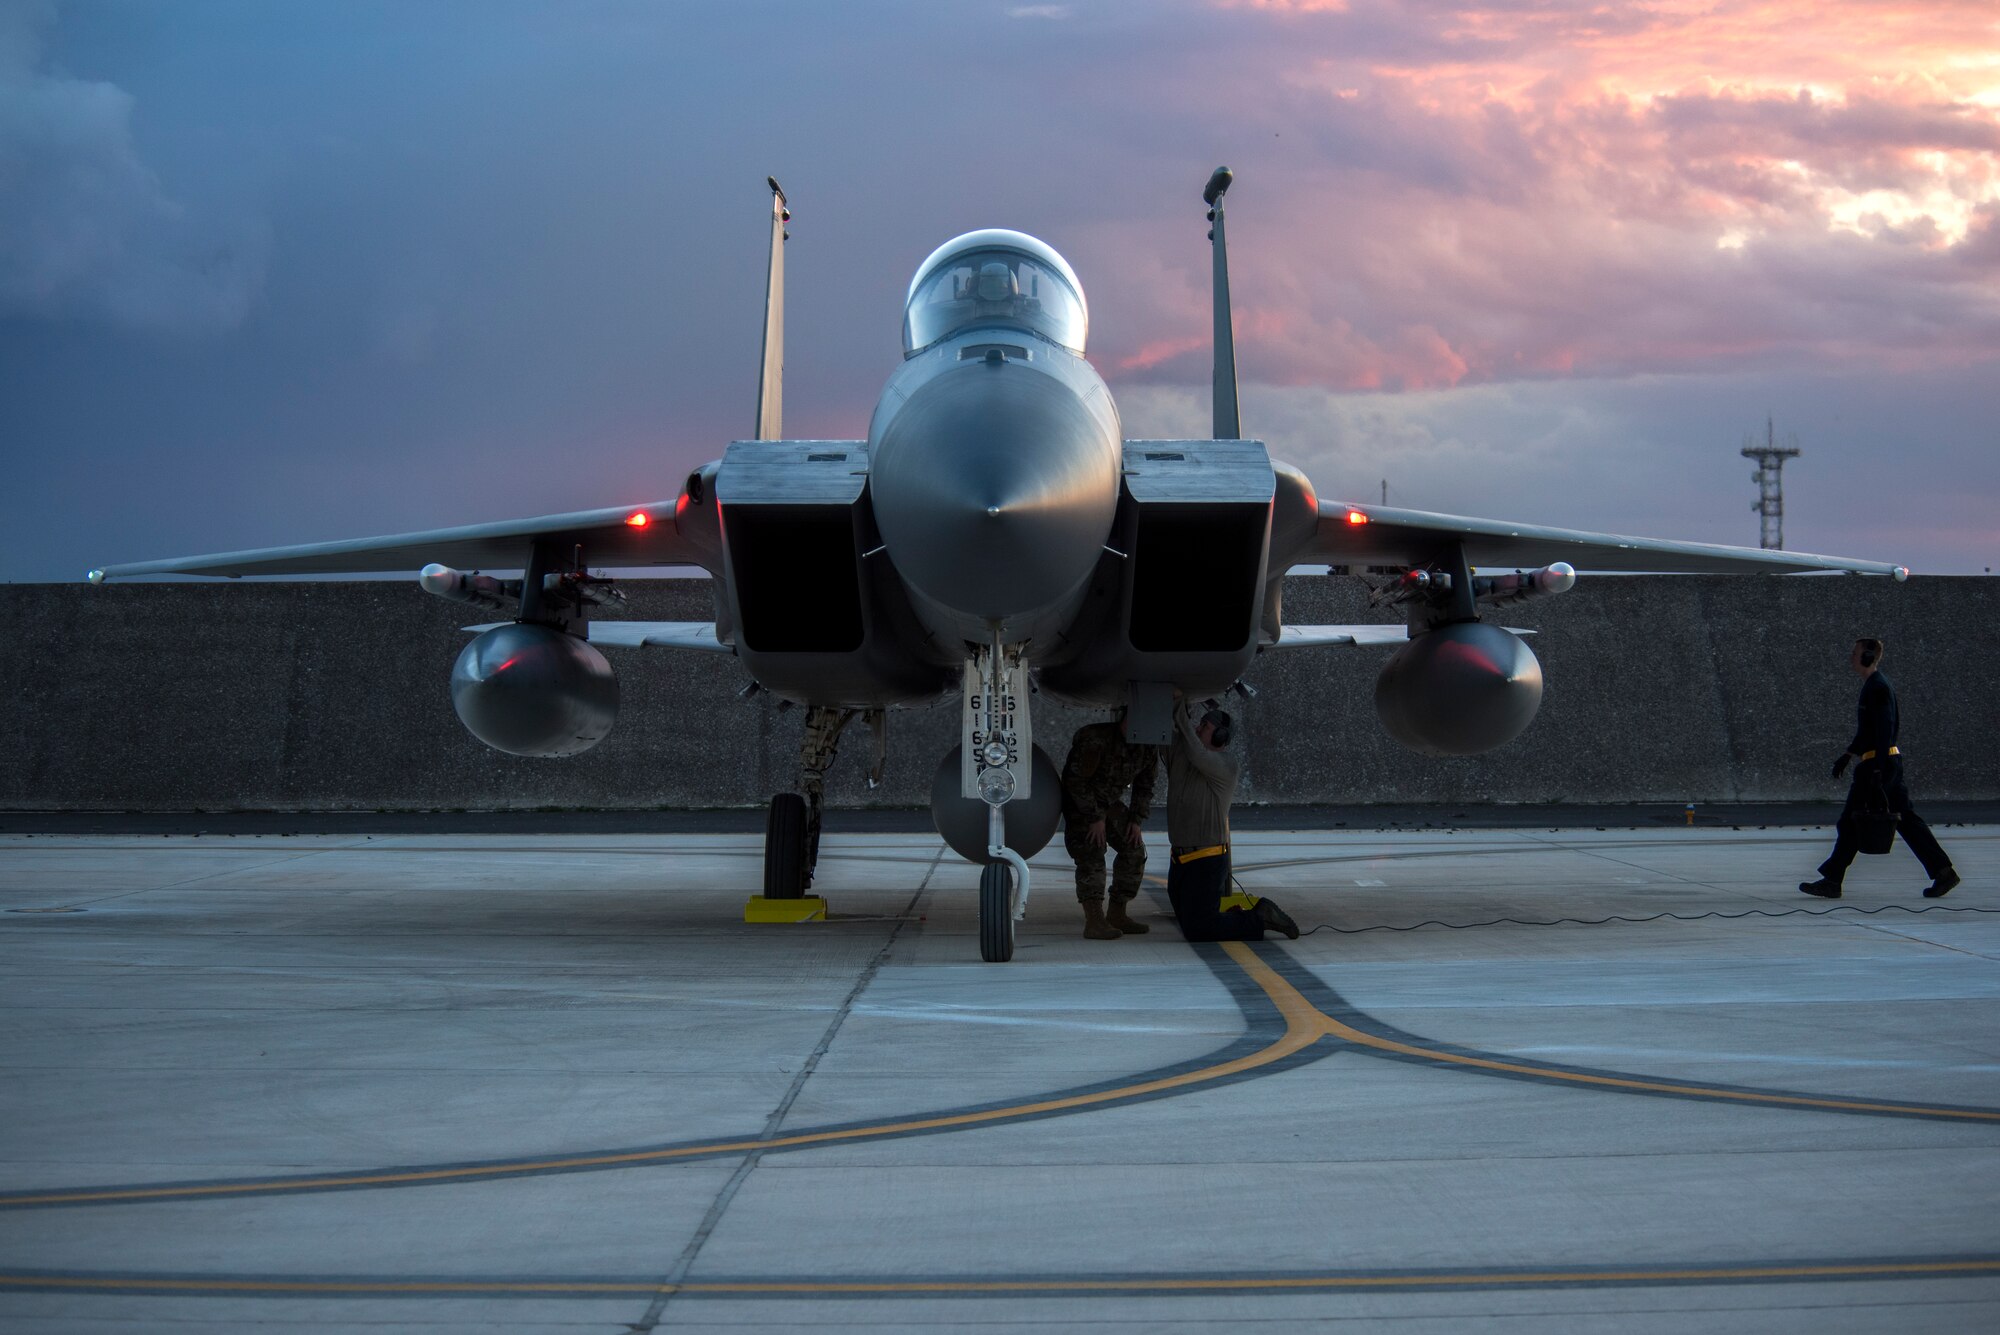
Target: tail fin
[(771, 377), (1228, 418)]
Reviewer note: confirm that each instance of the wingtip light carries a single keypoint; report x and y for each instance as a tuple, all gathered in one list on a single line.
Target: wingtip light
[(95, 577), (638, 519), (1356, 517)]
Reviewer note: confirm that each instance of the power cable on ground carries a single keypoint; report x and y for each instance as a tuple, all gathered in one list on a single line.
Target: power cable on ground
[(1650, 917)]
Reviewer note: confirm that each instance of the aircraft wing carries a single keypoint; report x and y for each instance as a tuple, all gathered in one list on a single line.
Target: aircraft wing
[(1374, 632), (641, 634), (1363, 535), (659, 634), (608, 538), (1316, 637)]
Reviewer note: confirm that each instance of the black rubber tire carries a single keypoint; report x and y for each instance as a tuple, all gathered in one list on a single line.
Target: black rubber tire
[(785, 848), (996, 913)]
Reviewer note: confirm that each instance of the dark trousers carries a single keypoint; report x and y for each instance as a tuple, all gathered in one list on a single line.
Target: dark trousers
[(1196, 890), (1875, 780)]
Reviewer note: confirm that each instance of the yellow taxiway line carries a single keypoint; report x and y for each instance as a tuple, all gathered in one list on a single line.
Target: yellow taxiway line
[(1305, 1025), (1346, 1033)]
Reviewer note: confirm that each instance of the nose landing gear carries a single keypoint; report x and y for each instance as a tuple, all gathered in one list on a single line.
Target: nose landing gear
[(997, 752), (996, 913)]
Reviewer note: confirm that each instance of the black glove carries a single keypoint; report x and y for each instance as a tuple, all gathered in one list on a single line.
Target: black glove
[(1840, 765)]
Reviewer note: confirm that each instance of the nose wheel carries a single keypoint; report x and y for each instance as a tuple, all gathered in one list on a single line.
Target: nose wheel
[(996, 913)]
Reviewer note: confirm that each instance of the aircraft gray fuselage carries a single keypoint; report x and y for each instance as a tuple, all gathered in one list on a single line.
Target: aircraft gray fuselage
[(995, 466), (994, 499)]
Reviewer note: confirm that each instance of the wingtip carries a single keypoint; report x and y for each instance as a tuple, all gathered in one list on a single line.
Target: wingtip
[(95, 577)]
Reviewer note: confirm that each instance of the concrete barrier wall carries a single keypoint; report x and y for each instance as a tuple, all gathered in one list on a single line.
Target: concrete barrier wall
[(335, 696)]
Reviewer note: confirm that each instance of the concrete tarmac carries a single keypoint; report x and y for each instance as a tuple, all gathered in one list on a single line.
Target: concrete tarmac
[(533, 1083)]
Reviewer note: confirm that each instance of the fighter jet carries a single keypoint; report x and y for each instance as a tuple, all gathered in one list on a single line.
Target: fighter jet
[(994, 538)]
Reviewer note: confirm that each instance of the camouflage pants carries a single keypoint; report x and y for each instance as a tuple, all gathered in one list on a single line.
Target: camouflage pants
[(1126, 869), (817, 752)]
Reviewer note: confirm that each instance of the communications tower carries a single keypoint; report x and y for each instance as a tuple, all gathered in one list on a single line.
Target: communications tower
[(1769, 477)]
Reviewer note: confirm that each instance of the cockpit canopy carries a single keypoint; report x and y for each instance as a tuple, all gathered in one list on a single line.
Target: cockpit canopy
[(995, 278)]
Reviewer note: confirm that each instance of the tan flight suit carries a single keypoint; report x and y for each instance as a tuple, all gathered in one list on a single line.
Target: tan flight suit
[(1201, 783)]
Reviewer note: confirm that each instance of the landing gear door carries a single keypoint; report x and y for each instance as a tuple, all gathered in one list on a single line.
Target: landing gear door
[(997, 730)]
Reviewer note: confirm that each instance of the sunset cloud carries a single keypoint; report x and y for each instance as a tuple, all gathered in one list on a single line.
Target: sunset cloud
[(1543, 189), (1161, 352)]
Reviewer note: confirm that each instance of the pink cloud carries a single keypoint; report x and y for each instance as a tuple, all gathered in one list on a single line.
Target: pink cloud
[(1161, 351), (1549, 189)]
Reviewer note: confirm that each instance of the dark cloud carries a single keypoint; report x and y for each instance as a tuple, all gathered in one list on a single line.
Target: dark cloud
[(87, 230)]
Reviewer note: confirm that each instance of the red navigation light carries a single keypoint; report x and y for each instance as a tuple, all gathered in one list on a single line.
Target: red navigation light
[(638, 519), (1356, 517)]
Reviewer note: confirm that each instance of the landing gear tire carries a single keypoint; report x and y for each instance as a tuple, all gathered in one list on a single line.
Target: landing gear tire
[(996, 913), (785, 839)]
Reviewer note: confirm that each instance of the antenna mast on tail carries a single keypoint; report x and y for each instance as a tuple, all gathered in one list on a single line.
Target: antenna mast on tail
[(771, 376), (1228, 418)]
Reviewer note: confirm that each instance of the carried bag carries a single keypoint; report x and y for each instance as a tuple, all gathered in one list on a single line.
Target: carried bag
[(1874, 823)]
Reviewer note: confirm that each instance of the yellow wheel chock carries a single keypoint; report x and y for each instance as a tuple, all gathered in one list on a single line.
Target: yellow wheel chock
[(806, 908)]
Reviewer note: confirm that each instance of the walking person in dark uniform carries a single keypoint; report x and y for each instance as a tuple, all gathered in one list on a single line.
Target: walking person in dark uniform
[(1878, 777), (1201, 783), (1101, 765)]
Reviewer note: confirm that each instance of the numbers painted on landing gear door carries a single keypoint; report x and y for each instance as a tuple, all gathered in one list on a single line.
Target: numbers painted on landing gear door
[(1000, 721)]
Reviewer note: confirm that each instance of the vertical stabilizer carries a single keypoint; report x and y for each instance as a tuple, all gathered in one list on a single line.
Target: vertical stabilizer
[(1228, 418), (771, 378)]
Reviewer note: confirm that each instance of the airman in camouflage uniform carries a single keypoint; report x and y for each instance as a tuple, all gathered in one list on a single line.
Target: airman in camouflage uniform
[(1102, 764), (821, 745)]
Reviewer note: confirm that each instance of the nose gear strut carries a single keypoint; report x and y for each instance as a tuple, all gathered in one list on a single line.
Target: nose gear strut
[(998, 749)]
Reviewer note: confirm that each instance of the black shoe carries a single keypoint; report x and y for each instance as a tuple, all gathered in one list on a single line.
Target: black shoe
[(1946, 882), (1824, 888), (1276, 919)]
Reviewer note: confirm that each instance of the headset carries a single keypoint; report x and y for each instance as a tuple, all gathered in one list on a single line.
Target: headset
[(1221, 720), (1871, 651)]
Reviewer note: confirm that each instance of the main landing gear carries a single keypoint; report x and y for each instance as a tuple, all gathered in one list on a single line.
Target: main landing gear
[(791, 830), (787, 835)]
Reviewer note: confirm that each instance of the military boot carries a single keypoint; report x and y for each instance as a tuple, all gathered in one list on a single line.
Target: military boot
[(1124, 921), (1094, 925)]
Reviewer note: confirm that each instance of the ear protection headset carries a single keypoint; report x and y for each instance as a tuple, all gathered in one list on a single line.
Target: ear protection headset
[(1871, 652), (1221, 720)]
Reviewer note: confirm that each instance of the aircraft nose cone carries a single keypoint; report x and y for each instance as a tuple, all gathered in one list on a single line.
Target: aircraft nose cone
[(994, 489)]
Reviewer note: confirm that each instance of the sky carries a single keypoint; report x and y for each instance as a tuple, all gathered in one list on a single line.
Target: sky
[(278, 273)]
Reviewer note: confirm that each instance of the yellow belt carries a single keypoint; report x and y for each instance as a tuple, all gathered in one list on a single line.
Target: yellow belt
[(1870, 755), (1209, 852)]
